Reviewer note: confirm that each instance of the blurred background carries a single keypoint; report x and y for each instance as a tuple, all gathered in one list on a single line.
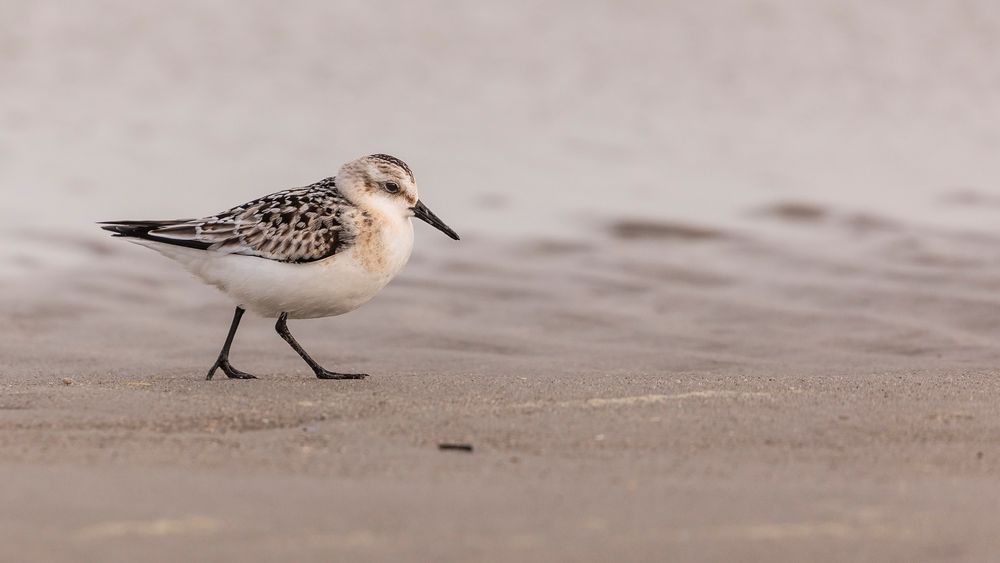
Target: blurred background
[(518, 118)]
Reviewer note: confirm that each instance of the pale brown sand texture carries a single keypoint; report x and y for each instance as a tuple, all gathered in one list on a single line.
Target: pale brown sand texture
[(663, 393), (727, 288)]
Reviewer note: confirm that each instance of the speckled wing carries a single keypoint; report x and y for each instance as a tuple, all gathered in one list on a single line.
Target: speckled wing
[(299, 225)]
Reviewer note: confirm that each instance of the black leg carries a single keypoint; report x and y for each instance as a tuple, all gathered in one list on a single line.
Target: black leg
[(223, 361), (282, 327)]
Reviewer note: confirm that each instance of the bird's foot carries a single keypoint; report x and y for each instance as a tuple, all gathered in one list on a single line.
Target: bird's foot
[(324, 374), (229, 370)]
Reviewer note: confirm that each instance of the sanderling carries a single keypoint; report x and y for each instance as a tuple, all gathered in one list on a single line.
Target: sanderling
[(318, 251)]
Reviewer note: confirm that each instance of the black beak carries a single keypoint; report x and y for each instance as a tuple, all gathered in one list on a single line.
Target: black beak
[(421, 212)]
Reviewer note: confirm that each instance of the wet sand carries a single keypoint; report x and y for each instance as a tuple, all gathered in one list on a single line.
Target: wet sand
[(663, 391)]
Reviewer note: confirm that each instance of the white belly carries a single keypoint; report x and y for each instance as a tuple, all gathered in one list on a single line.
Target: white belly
[(325, 288)]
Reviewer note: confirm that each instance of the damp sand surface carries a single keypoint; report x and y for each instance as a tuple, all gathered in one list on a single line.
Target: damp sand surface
[(651, 392)]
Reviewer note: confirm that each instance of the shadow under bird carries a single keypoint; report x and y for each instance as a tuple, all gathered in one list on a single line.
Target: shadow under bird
[(304, 253)]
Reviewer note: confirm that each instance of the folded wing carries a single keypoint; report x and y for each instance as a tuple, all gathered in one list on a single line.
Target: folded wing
[(299, 225)]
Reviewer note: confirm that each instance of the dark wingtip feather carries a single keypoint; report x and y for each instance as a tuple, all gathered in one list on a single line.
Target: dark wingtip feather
[(142, 229), (126, 228)]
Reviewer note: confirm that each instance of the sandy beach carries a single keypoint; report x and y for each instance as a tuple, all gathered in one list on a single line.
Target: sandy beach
[(727, 288)]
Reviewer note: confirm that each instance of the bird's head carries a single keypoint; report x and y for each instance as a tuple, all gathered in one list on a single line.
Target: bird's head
[(386, 183)]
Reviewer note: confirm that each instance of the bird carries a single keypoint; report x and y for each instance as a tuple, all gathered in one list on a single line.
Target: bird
[(303, 253)]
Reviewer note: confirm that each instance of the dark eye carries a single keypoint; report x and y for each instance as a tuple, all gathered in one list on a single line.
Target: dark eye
[(391, 187)]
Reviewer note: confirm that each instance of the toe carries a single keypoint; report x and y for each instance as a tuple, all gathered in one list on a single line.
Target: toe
[(233, 373), (242, 375), (332, 375)]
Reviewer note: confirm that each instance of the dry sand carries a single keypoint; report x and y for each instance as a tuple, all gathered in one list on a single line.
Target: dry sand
[(727, 291)]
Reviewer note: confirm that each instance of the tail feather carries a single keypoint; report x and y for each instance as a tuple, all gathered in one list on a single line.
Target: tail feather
[(143, 230)]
